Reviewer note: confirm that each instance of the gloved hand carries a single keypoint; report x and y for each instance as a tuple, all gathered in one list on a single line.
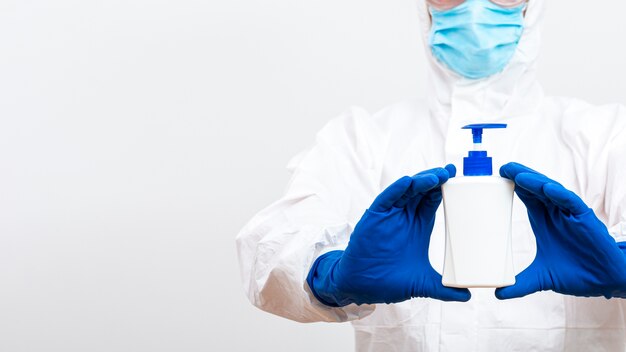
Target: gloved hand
[(386, 260), (575, 253)]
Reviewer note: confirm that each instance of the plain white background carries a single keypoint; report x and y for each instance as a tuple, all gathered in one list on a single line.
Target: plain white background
[(138, 136)]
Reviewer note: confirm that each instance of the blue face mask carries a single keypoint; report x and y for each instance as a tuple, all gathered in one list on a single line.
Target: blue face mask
[(477, 38)]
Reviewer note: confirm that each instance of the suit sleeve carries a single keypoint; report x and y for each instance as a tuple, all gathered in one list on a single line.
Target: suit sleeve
[(615, 195), (332, 184), (600, 137)]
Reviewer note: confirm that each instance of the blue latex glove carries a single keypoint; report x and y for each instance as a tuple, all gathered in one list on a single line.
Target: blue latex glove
[(386, 260), (575, 253)]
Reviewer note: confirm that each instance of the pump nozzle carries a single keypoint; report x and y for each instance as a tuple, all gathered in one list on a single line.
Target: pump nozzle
[(478, 163)]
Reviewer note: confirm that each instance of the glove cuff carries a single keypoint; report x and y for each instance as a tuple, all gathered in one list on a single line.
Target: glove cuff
[(320, 279)]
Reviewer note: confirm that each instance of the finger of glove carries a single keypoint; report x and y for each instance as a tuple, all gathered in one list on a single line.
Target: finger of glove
[(441, 173), (530, 201), (420, 184), (526, 282), (452, 294), (426, 211), (432, 199), (437, 171), (451, 170), (511, 170), (533, 183), (399, 189), (391, 194), (565, 199), (447, 294)]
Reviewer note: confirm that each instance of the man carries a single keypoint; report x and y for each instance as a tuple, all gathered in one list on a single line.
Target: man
[(316, 256)]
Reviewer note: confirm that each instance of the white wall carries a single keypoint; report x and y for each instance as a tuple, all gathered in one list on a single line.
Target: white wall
[(138, 136)]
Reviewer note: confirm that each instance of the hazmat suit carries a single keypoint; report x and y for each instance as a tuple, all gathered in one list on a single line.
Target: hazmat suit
[(357, 155)]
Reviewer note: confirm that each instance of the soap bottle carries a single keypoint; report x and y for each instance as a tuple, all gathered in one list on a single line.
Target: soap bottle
[(478, 210)]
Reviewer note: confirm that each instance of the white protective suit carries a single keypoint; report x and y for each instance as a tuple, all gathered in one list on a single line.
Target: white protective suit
[(357, 155)]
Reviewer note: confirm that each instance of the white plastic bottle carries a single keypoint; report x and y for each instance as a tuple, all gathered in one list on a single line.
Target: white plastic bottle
[(478, 208)]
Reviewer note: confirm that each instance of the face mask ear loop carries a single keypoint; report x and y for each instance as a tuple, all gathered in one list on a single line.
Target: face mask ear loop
[(430, 18)]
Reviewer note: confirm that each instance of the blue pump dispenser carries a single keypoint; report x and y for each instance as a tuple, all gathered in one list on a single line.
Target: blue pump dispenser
[(477, 163)]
